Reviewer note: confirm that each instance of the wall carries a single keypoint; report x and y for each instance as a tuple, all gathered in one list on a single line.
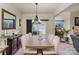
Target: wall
[(66, 17), (13, 10), (73, 15), (50, 23)]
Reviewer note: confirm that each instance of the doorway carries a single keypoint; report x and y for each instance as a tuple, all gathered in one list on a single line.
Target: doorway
[(28, 26)]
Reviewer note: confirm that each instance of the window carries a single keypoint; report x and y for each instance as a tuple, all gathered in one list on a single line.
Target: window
[(59, 22), (39, 28)]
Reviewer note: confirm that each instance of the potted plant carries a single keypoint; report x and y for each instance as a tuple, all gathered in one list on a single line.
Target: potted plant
[(66, 33), (59, 31)]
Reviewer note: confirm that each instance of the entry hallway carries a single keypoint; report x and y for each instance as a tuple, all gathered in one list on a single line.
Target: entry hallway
[(63, 49)]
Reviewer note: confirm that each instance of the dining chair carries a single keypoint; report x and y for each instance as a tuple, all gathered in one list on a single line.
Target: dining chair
[(30, 35), (24, 42), (35, 39), (53, 51), (50, 38), (42, 36), (69, 39)]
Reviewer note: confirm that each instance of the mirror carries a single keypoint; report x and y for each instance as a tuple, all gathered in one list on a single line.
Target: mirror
[(8, 20)]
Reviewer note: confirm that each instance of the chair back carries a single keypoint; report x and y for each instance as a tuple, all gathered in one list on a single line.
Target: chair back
[(30, 36), (43, 36), (56, 42), (50, 38), (24, 42), (35, 39), (69, 39)]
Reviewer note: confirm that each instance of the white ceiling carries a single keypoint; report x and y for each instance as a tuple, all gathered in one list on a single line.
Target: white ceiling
[(74, 7), (42, 7)]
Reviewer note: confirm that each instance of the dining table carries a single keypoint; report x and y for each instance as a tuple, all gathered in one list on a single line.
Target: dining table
[(40, 45)]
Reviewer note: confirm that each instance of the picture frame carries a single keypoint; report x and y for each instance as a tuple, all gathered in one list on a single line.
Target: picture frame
[(76, 21), (8, 20)]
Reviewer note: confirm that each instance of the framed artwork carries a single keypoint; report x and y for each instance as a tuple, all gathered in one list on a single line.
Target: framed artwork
[(76, 21), (9, 23)]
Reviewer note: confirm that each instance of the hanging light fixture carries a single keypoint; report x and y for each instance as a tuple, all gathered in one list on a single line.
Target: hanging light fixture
[(36, 20)]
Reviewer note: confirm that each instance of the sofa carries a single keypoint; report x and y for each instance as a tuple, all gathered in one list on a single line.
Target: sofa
[(75, 40)]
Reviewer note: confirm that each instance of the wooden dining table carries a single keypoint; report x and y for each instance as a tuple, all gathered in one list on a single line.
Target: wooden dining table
[(40, 46)]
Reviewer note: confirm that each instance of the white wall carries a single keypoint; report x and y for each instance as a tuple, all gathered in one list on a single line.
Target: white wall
[(73, 15), (50, 23), (13, 10)]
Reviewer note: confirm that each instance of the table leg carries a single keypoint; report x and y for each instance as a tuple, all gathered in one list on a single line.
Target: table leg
[(39, 51)]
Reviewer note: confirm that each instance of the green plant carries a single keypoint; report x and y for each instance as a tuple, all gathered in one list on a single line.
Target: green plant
[(59, 30), (66, 31)]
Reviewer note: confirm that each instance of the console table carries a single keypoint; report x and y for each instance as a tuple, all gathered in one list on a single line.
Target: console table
[(14, 44)]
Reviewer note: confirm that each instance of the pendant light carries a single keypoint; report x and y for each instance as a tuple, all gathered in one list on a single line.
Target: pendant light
[(36, 20)]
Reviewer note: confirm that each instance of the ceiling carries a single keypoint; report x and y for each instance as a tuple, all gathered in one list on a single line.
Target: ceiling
[(42, 7), (74, 7)]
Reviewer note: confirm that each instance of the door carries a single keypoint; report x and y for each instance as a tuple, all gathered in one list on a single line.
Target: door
[(28, 26)]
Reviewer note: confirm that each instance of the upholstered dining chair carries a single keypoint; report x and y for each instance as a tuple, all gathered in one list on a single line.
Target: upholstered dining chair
[(30, 35), (42, 36), (35, 39), (53, 51), (69, 39), (24, 42), (50, 38)]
